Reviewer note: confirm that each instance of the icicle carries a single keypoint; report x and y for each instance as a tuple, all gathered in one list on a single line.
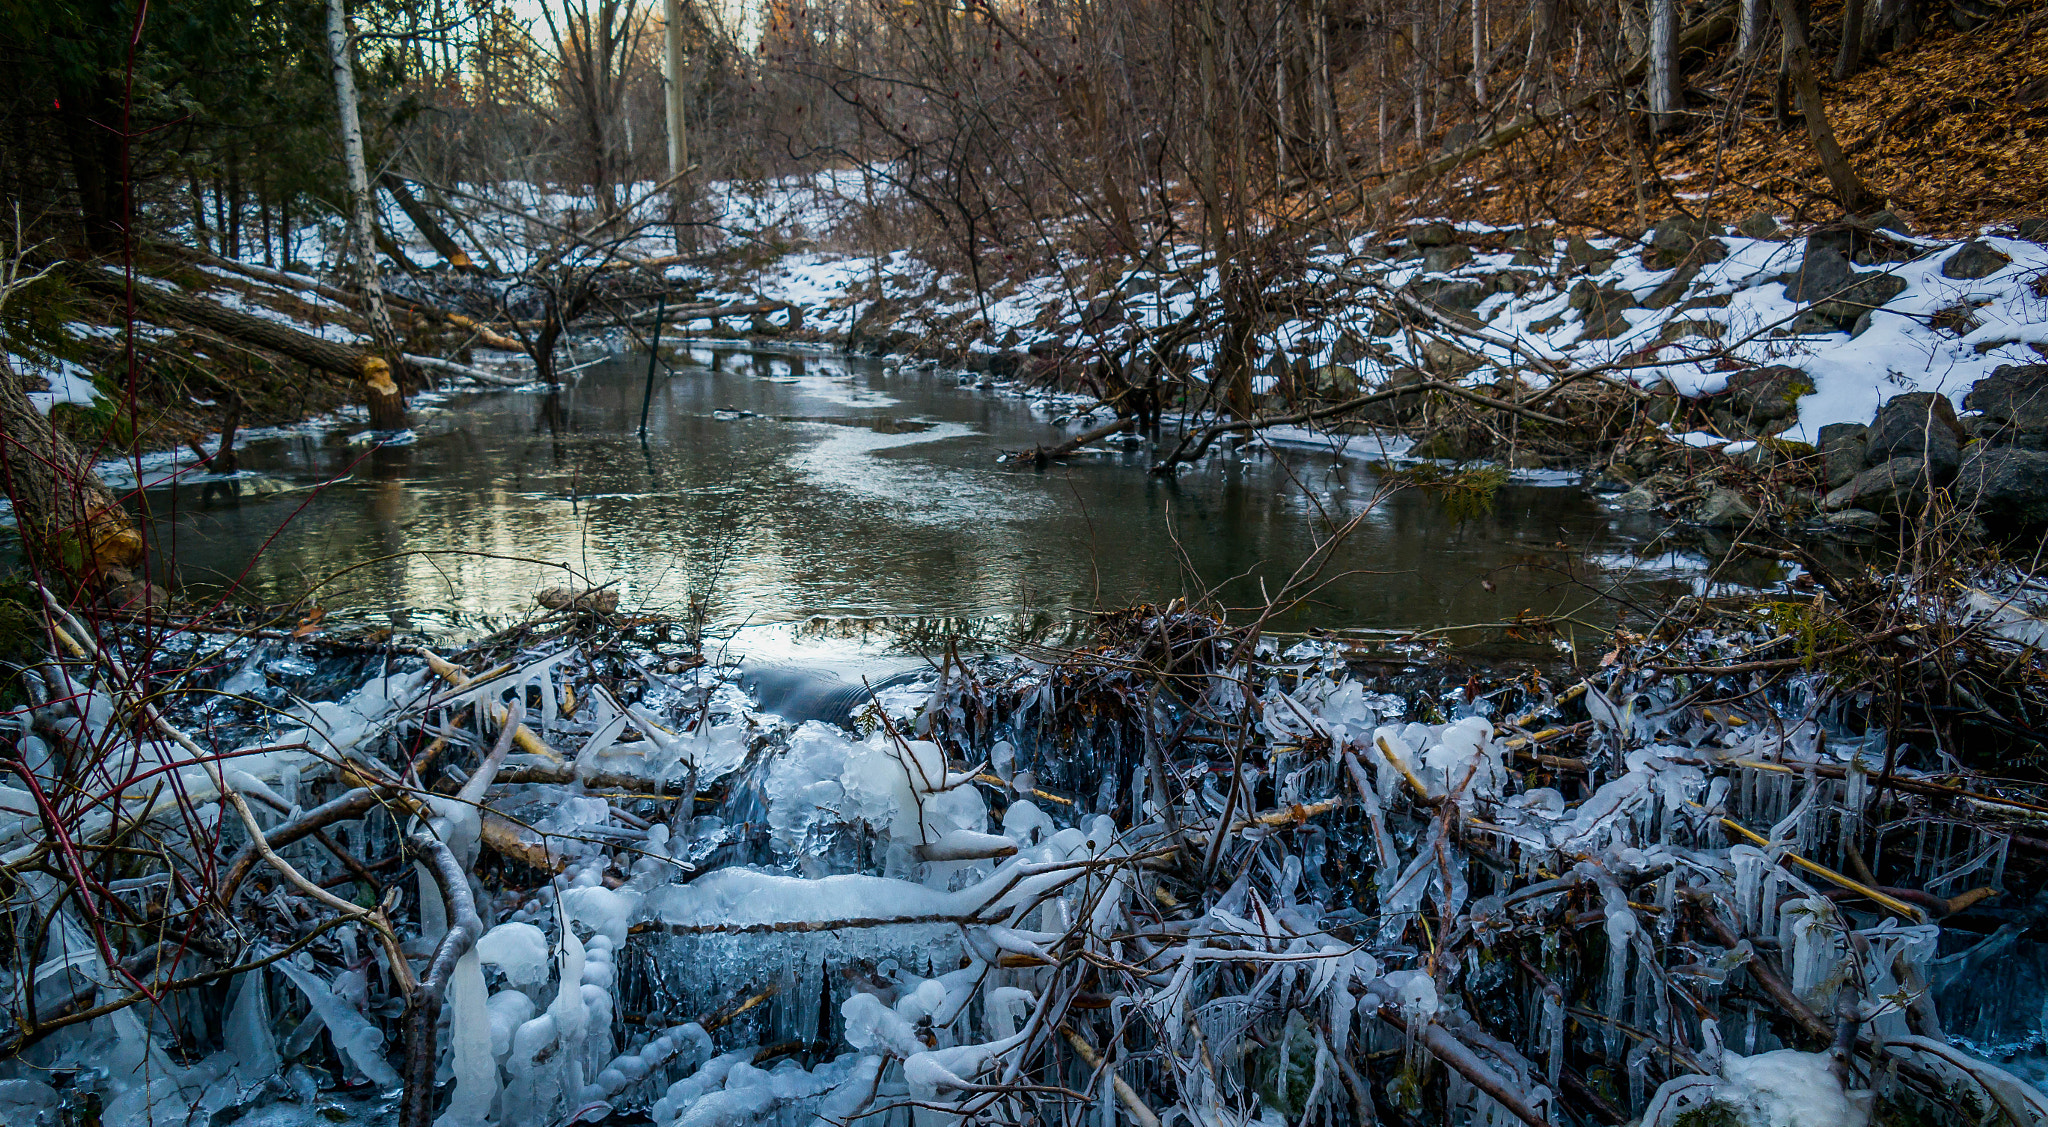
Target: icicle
[(469, 1037)]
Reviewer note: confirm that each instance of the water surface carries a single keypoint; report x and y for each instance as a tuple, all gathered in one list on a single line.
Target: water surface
[(791, 488)]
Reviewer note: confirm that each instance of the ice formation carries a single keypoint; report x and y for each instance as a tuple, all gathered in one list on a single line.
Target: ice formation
[(1021, 890)]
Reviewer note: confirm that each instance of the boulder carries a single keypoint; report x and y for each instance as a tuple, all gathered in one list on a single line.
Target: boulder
[(1973, 260), (1444, 259), (1582, 255), (1401, 409), (1690, 328), (1333, 381), (1864, 241), (1723, 508), (1447, 361), (1899, 485), (1351, 348), (1762, 225), (1843, 452), (1637, 500), (2034, 230), (1919, 424), (1458, 298), (2005, 486), (1853, 523), (1458, 444), (2014, 403), (1863, 294), (1600, 310), (1823, 271), (1760, 401), (1680, 237), (1432, 235)]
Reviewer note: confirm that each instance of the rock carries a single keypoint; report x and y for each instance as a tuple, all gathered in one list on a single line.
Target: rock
[(1446, 360), (1456, 445), (1459, 297), (1401, 409), (1528, 258), (2033, 230), (1762, 225), (1973, 260), (1761, 401), (1637, 500), (1823, 271), (1350, 349), (1723, 508), (1680, 237), (1582, 255), (1899, 485), (2014, 403), (1854, 523), (1444, 259), (1862, 242), (1333, 381), (1689, 328), (1870, 291), (1919, 424), (1882, 220), (600, 600), (1770, 453), (1432, 235), (1525, 460), (1799, 502), (1600, 310), (2007, 487), (1843, 452)]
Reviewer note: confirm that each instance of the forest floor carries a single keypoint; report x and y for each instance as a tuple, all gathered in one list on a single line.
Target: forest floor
[(1951, 131)]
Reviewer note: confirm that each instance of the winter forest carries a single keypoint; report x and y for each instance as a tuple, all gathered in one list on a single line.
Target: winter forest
[(1024, 563)]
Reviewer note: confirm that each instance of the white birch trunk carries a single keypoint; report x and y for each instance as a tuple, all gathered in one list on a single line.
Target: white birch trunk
[(386, 403)]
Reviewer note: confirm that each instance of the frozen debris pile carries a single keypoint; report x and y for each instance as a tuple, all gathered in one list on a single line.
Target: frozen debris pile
[(1179, 876)]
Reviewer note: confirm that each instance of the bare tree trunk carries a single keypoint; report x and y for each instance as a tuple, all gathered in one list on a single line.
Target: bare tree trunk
[(1664, 65), (678, 133), (1540, 33), (1282, 120), (1326, 102), (1849, 58), (1751, 28), (1799, 63), (380, 391), (69, 522), (1479, 54)]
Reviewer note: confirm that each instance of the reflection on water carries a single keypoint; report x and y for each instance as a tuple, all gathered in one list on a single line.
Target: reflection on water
[(783, 487)]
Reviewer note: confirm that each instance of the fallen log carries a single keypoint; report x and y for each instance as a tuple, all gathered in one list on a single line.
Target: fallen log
[(156, 301), (701, 311), (486, 335), (464, 371), (424, 222), (1202, 439)]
